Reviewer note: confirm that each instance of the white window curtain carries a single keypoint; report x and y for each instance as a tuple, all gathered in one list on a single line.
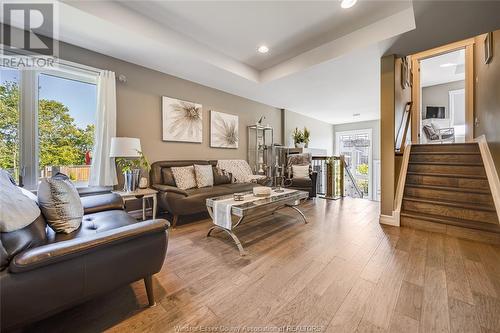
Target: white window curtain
[(103, 169)]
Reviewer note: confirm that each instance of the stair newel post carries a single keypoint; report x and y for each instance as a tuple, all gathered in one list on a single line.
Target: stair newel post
[(341, 175), (329, 180)]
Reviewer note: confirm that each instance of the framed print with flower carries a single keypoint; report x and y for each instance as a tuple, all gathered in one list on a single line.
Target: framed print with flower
[(223, 130), (181, 120)]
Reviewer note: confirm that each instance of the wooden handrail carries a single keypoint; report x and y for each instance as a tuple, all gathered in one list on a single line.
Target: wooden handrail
[(404, 127)]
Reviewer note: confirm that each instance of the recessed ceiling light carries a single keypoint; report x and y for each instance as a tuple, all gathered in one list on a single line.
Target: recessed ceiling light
[(448, 64), (356, 114), (263, 49), (348, 3)]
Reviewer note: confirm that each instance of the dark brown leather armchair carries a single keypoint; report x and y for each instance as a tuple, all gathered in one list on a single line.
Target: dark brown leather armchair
[(44, 272), (303, 184)]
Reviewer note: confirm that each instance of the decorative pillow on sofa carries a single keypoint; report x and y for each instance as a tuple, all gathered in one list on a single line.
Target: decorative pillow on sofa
[(17, 210), (204, 175), (240, 171), (220, 176), (184, 177), (300, 171), (60, 203)]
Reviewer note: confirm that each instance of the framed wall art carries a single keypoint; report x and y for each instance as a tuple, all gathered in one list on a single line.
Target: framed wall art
[(182, 121), (223, 130)]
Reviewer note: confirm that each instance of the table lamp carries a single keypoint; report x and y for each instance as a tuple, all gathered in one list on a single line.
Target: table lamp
[(127, 148)]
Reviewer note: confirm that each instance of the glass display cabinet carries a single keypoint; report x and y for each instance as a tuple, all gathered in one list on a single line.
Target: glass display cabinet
[(260, 149)]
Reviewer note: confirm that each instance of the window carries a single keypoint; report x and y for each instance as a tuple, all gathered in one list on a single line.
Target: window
[(356, 148), (66, 115), (55, 131), (9, 121)]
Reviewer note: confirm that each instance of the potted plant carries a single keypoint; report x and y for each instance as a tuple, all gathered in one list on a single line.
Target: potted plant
[(131, 169), (301, 138), (307, 134)]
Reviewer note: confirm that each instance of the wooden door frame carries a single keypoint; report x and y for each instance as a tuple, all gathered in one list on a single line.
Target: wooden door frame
[(468, 46)]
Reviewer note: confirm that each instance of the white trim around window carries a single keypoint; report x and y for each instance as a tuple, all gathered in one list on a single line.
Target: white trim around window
[(28, 113), (370, 153)]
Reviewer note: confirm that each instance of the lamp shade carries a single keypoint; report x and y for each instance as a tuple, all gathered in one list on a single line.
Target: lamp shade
[(125, 147)]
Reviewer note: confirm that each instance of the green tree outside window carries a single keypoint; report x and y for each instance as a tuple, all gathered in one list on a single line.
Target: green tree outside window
[(61, 141)]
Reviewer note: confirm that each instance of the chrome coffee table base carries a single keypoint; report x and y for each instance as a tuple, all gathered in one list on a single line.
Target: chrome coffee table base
[(230, 233), (240, 220)]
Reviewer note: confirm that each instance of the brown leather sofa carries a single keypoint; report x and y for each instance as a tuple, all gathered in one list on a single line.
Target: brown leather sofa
[(179, 202), (44, 272)]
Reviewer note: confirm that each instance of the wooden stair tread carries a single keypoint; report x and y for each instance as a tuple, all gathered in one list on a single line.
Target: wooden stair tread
[(445, 153), (437, 174), (450, 188), (452, 221), (449, 163), (449, 203), (444, 144)]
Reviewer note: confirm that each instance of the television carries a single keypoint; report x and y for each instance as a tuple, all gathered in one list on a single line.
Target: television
[(435, 112)]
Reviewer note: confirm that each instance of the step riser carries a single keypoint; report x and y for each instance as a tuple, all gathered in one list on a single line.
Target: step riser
[(447, 181), (448, 211), (447, 158), (474, 232), (455, 196), (447, 169), (445, 148)]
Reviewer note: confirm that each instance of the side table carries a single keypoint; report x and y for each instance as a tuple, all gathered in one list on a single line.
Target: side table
[(142, 193)]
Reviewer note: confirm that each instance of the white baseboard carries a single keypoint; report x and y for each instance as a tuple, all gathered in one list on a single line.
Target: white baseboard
[(392, 220)]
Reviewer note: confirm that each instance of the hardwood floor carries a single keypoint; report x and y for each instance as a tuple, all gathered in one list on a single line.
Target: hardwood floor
[(342, 272)]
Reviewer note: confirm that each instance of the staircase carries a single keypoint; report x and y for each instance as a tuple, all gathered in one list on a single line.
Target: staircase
[(447, 184)]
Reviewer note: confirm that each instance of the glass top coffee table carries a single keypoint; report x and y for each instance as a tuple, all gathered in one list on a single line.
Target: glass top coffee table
[(251, 207)]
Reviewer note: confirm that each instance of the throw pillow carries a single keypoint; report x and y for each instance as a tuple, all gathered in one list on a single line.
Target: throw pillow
[(430, 132), (204, 175), (220, 176), (300, 171), (60, 203), (17, 210), (184, 177)]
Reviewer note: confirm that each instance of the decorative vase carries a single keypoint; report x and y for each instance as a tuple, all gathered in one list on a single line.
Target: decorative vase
[(300, 144), (143, 183), (131, 180)]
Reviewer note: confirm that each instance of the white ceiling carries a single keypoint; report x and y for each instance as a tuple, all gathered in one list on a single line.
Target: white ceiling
[(433, 72), (288, 28), (323, 62)]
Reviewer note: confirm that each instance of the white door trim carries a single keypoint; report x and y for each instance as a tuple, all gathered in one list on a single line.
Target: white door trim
[(451, 103)]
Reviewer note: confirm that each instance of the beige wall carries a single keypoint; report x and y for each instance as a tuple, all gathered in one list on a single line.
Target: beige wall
[(487, 95), (387, 134), (139, 108), (392, 97), (321, 132)]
